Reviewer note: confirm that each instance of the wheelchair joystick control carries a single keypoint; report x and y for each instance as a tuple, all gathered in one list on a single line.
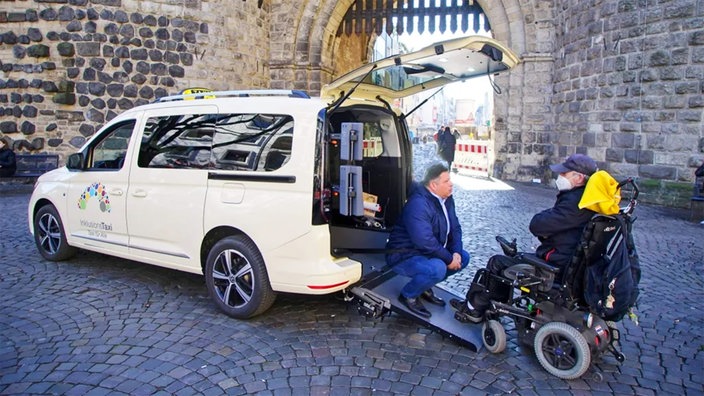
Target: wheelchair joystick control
[(509, 248)]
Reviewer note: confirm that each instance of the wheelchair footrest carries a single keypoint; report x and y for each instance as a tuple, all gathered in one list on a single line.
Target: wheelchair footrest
[(465, 317)]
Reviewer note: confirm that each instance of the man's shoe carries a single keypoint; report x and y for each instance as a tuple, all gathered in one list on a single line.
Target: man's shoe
[(415, 306), (430, 297)]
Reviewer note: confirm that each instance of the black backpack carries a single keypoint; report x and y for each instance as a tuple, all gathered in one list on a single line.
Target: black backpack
[(606, 268)]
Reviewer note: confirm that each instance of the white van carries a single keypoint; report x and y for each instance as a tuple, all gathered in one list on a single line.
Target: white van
[(259, 191)]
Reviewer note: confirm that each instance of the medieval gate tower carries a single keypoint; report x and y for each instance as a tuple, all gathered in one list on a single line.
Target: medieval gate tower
[(620, 80)]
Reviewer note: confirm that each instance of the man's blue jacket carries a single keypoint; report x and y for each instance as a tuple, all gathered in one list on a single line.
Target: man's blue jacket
[(422, 229)]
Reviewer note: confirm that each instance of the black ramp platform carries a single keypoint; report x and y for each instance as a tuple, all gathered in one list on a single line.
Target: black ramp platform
[(442, 319)]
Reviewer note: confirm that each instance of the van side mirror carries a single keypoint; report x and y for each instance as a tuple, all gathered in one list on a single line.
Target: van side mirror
[(75, 161)]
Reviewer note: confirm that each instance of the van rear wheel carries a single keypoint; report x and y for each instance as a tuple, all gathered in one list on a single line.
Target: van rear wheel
[(237, 279)]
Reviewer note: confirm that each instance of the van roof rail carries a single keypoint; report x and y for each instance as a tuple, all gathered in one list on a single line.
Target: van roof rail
[(292, 93)]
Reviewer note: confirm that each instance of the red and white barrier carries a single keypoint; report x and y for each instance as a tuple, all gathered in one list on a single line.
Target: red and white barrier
[(372, 147), (472, 157)]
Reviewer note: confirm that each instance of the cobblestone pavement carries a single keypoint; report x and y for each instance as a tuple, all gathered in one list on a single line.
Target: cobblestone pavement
[(102, 325)]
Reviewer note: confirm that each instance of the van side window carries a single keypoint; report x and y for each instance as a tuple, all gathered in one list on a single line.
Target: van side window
[(109, 152), (253, 142)]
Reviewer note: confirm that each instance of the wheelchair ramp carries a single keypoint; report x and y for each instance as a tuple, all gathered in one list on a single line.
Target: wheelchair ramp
[(388, 286)]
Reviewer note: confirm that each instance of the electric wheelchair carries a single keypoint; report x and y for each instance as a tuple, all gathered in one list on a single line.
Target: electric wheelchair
[(548, 305)]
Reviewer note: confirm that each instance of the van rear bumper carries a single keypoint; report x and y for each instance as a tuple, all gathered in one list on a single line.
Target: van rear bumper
[(330, 277)]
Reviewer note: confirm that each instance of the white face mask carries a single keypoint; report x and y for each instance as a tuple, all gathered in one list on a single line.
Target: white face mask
[(562, 183)]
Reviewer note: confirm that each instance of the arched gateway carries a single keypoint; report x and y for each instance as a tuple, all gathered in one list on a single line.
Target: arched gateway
[(618, 80), (320, 54)]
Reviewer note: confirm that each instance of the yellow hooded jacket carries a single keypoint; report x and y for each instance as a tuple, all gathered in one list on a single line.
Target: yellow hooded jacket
[(601, 194)]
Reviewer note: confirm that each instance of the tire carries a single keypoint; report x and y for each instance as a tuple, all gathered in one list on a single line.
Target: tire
[(513, 271), (494, 336), (562, 350), (50, 235), (237, 279)]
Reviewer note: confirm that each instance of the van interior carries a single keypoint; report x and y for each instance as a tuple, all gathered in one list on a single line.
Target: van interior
[(369, 174)]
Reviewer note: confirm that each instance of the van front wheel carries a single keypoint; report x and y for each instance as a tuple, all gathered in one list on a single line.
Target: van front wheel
[(50, 235), (237, 279)]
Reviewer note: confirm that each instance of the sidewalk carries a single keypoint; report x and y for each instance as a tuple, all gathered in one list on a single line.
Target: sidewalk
[(102, 325)]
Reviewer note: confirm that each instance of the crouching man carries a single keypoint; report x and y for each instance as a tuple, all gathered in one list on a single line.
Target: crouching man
[(427, 241)]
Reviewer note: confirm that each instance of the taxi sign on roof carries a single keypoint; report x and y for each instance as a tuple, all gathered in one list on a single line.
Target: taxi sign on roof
[(195, 91)]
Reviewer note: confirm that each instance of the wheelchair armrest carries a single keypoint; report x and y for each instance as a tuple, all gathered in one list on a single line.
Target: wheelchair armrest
[(538, 262)]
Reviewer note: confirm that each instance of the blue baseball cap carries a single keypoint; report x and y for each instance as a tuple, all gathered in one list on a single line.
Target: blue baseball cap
[(576, 162)]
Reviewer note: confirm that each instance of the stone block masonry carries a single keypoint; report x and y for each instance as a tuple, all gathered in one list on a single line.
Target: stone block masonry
[(632, 71), (69, 66), (102, 60)]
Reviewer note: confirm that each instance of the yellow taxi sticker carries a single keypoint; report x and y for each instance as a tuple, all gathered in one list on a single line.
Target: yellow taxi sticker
[(195, 91)]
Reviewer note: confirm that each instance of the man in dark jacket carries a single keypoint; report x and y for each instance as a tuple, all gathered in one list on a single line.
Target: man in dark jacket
[(8, 166), (446, 146), (427, 240), (558, 229)]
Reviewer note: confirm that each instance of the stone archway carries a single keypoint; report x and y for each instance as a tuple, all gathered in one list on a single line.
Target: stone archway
[(309, 56), (303, 43), (304, 35)]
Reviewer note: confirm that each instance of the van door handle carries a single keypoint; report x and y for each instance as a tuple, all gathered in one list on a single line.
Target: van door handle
[(117, 192), (139, 194)]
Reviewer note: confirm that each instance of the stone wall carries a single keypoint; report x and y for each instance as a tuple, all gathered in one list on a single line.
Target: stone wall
[(629, 89), (305, 50), (523, 112), (68, 66)]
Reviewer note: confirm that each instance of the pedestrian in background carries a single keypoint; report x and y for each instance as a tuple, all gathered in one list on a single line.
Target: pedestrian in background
[(437, 134), (446, 146), (8, 164)]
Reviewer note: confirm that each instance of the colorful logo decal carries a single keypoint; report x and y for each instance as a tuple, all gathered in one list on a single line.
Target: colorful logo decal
[(95, 191)]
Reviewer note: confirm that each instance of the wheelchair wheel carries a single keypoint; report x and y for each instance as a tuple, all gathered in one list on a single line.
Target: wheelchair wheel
[(562, 350), (515, 270), (494, 336)]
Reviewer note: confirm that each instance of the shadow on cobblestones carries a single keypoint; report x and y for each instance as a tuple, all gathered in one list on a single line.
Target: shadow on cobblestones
[(103, 325)]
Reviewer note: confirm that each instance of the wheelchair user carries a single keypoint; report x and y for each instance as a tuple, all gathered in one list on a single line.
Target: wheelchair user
[(558, 229)]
